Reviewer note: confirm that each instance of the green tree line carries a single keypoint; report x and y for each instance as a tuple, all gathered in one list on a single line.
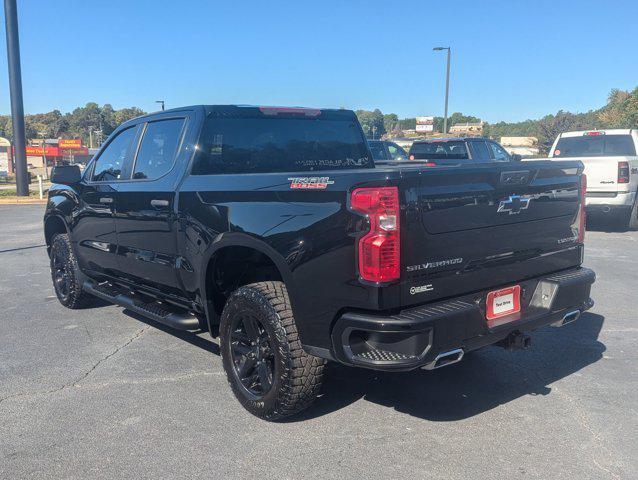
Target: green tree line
[(620, 111), (83, 122)]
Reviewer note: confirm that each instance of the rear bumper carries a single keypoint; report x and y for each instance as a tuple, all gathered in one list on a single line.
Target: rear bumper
[(603, 202), (418, 337)]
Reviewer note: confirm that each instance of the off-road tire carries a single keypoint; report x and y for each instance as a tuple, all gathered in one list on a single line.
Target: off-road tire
[(71, 295), (297, 376), (632, 219)]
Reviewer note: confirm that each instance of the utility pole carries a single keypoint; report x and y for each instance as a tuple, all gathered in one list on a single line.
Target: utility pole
[(161, 102), (447, 83), (15, 87)]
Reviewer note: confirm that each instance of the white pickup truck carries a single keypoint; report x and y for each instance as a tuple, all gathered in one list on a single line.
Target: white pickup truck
[(611, 165)]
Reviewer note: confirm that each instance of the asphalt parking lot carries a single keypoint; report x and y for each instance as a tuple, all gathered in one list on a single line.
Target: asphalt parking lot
[(99, 393)]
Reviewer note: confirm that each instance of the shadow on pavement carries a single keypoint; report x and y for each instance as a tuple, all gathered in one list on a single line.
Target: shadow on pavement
[(482, 381), (199, 339), (596, 223)]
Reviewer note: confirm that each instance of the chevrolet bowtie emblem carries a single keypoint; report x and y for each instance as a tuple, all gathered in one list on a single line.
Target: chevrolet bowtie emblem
[(513, 205)]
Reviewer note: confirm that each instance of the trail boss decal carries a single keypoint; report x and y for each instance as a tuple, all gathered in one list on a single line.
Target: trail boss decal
[(310, 183)]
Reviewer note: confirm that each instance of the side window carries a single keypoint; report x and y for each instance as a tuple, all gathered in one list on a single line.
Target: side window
[(378, 151), (108, 166), (498, 153), (396, 152), (158, 148), (481, 153)]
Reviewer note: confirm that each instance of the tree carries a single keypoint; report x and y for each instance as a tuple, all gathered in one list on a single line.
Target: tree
[(551, 126), (621, 110), (126, 114), (371, 122), (390, 122)]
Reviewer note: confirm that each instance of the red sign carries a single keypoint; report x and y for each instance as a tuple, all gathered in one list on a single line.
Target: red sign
[(36, 151), (70, 143)]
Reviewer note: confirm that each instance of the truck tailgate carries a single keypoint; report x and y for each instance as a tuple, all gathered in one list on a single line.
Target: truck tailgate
[(470, 228), (602, 172)]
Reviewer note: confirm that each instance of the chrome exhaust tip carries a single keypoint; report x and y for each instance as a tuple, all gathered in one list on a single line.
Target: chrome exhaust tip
[(568, 318), (445, 359)]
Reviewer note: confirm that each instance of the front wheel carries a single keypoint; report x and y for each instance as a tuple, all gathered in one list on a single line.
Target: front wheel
[(267, 368), (65, 274)]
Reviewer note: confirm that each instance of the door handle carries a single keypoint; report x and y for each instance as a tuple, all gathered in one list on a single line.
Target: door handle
[(106, 200), (159, 203)]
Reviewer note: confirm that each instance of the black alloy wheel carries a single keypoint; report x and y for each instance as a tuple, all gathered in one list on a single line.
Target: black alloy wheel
[(253, 355)]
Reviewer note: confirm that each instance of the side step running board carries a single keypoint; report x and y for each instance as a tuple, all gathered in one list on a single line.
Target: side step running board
[(154, 310)]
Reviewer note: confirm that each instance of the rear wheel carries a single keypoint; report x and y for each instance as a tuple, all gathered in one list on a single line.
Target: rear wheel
[(268, 370), (632, 221), (65, 274)]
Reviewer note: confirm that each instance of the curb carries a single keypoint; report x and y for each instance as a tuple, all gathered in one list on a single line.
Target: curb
[(26, 201)]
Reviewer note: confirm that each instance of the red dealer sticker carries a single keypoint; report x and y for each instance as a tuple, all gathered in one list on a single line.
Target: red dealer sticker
[(502, 303), (556, 152)]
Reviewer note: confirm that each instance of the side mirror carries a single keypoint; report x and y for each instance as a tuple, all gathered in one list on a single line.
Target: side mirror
[(66, 174), (516, 157)]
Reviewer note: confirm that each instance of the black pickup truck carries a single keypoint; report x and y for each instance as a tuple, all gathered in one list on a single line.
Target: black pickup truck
[(273, 229)]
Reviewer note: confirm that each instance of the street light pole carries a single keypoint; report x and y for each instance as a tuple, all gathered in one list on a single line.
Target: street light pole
[(161, 102), (447, 83), (15, 87)]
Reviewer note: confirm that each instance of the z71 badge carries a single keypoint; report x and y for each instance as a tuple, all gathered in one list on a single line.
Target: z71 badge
[(310, 183)]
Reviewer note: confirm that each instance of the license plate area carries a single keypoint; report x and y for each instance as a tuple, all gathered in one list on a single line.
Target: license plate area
[(501, 304)]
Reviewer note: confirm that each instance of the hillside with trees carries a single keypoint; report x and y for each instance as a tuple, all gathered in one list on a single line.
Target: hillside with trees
[(621, 111), (83, 122)]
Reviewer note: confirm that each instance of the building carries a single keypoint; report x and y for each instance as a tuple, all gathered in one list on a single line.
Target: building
[(524, 146), (469, 129), (6, 165), (44, 155)]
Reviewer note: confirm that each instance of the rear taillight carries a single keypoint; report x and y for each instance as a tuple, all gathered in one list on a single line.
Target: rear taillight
[(582, 221), (623, 172), (379, 248)]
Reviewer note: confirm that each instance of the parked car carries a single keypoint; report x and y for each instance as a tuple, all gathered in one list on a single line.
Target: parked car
[(454, 151), (611, 166), (273, 229), (385, 150)]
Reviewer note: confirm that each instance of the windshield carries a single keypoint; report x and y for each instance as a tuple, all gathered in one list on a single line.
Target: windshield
[(439, 150), (595, 146), (261, 145)]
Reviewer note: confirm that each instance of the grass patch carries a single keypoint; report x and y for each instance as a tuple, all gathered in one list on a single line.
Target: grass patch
[(11, 192)]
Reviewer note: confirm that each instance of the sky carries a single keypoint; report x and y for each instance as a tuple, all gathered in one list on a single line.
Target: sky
[(511, 60)]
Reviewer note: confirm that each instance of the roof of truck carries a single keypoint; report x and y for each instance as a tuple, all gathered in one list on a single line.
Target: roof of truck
[(451, 139), (609, 131)]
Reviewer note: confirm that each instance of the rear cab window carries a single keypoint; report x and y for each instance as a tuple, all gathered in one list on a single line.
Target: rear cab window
[(247, 140), (595, 146), (158, 148), (447, 150)]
